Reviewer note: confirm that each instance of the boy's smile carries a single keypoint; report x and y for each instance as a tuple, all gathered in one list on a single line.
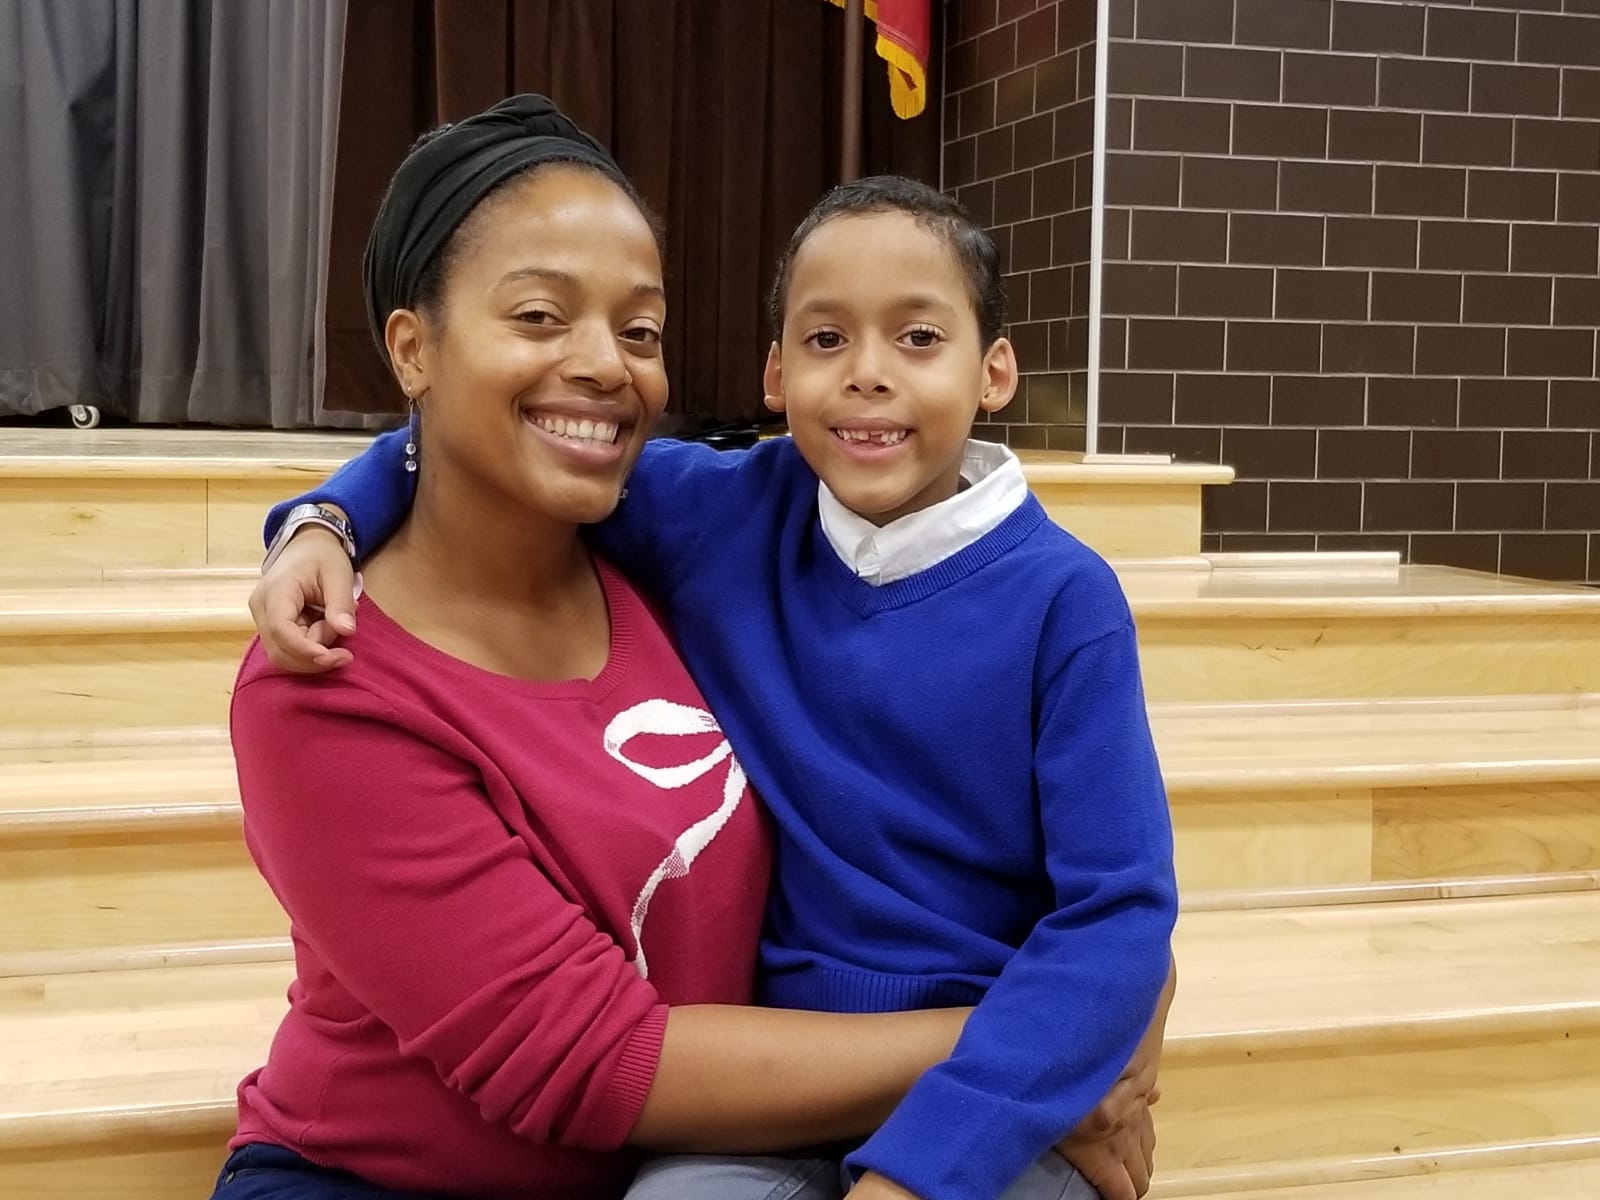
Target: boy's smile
[(870, 438), (881, 367)]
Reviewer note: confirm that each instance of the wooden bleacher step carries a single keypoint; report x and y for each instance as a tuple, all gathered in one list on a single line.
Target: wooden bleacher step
[(162, 648), (121, 1082), (191, 498), (145, 498), (1339, 1035), (133, 650), (102, 852), (1369, 1030), (1551, 1168), (1314, 794), (1335, 626), (1124, 505), (1396, 892), (109, 834)]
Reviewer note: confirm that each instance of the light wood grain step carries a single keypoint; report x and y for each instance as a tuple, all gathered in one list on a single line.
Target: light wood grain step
[(67, 744), (121, 1083), (102, 853), (1298, 802), (120, 651), (145, 957), (1305, 794), (1361, 1031), (1417, 741), (1316, 1036), (96, 1052), (1218, 631), (149, 497), (142, 650), (190, 498), (1559, 1168), (1389, 891), (159, 453), (93, 890), (1124, 506)]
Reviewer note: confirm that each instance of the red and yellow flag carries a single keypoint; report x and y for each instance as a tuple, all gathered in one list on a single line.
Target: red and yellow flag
[(905, 36)]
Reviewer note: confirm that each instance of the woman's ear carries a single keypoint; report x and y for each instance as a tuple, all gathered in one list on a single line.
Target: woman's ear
[(772, 379), (403, 336), (999, 376)]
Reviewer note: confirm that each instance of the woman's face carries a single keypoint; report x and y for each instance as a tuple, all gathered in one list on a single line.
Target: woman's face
[(541, 371)]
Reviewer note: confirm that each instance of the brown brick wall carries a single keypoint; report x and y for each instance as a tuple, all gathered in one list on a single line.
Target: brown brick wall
[(1353, 250), (1019, 121)]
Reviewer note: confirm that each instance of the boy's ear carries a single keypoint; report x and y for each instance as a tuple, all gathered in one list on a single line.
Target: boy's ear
[(404, 337), (772, 379), (999, 376)]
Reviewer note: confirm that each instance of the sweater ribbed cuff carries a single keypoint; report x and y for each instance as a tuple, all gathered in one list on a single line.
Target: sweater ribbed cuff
[(948, 1142), (630, 1083)]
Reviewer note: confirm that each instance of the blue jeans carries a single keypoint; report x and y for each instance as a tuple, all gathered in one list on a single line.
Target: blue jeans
[(264, 1172), (716, 1177)]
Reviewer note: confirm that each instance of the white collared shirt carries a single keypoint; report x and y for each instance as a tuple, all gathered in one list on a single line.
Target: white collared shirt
[(917, 541)]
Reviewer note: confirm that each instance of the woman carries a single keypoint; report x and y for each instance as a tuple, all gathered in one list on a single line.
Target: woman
[(522, 867)]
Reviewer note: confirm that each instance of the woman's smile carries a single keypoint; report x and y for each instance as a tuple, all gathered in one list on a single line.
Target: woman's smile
[(594, 440)]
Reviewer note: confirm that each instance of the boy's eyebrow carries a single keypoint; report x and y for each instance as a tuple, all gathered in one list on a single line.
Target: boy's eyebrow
[(567, 279), (914, 300), (921, 300)]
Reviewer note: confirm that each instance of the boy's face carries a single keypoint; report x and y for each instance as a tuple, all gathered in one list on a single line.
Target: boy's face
[(881, 367)]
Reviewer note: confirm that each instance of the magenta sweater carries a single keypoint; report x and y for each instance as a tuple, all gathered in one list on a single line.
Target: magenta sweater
[(495, 887)]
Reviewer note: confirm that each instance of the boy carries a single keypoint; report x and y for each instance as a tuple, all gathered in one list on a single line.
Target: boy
[(934, 689)]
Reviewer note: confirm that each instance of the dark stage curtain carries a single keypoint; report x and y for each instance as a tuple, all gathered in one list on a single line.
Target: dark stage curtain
[(724, 112)]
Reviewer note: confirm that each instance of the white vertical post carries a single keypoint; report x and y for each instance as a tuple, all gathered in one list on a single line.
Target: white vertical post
[(1097, 220)]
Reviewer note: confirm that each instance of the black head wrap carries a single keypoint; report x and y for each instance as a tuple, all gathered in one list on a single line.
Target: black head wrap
[(441, 181)]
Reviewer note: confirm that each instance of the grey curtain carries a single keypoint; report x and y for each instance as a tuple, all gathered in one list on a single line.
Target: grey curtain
[(168, 212)]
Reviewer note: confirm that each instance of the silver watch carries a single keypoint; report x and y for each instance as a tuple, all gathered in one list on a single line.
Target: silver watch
[(302, 515)]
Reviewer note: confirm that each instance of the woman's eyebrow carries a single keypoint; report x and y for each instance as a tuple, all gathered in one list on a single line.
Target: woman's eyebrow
[(548, 274), (567, 279)]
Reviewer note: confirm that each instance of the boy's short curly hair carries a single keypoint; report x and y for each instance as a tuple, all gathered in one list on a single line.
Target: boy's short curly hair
[(942, 215)]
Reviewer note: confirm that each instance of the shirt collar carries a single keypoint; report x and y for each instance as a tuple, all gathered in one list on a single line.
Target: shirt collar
[(919, 540)]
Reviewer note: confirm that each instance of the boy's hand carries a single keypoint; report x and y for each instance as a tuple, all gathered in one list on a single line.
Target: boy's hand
[(305, 603), (1114, 1146)]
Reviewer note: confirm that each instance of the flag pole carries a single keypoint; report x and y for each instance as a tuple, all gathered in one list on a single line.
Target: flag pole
[(850, 118)]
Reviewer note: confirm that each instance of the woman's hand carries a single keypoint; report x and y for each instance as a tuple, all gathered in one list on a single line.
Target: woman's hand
[(1120, 1162), (305, 603), (876, 1187), (1114, 1146)]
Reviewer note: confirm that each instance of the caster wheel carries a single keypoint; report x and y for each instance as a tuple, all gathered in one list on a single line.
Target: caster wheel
[(84, 416)]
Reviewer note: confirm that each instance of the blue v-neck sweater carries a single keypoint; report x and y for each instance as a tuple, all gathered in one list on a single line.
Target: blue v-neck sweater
[(960, 770)]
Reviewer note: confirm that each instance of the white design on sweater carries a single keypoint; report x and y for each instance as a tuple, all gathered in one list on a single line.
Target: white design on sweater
[(674, 720)]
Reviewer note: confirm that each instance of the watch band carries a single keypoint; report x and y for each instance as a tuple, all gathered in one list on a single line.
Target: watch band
[(302, 515)]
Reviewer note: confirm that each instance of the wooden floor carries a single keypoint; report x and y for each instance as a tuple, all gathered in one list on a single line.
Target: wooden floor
[(1385, 786)]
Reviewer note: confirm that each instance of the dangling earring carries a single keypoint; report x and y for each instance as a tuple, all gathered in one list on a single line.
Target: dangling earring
[(412, 415)]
